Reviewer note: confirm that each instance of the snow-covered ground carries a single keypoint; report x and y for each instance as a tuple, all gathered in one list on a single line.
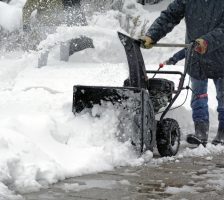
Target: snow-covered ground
[(41, 141)]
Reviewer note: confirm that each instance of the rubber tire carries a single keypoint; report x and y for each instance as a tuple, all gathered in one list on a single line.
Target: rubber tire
[(168, 137)]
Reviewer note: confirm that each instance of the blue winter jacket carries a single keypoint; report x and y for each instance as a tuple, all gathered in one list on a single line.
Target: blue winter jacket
[(180, 55), (204, 19)]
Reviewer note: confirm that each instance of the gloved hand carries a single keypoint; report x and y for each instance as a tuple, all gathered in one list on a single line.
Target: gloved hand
[(147, 42), (26, 28), (171, 61), (202, 46)]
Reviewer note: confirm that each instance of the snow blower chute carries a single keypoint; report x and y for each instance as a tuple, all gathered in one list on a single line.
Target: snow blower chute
[(138, 102)]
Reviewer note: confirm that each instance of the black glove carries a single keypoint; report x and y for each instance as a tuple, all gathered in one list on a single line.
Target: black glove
[(171, 61)]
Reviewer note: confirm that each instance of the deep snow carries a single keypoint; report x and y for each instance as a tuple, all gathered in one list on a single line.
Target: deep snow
[(41, 141)]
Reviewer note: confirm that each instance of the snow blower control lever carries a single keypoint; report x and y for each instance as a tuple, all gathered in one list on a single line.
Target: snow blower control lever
[(169, 45), (137, 102)]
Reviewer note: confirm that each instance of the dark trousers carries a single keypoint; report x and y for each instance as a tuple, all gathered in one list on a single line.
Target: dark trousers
[(199, 101)]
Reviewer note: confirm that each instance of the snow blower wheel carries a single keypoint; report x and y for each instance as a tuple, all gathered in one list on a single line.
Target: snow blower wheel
[(168, 137)]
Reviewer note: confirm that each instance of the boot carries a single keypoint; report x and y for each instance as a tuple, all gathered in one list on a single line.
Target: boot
[(201, 134), (219, 138)]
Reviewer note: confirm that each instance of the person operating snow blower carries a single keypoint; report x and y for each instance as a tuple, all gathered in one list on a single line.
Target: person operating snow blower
[(205, 26), (50, 14)]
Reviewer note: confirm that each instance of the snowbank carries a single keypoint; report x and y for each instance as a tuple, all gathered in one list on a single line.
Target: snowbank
[(41, 141), (10, 16)]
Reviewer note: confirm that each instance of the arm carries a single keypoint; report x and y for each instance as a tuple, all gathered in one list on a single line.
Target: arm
[(167, 20), (215, 38), (180, 55), (28, 8)]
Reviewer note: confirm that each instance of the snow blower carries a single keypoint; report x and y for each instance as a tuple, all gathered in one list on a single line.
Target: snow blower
[(139, 101)]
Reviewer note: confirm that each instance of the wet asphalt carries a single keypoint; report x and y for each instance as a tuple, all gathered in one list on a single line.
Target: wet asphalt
[(187, 178)]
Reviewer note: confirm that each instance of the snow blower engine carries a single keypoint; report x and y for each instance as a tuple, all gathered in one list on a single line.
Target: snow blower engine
[(137, 103)]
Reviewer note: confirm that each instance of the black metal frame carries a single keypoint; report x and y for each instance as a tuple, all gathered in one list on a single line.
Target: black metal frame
[(163, 72), (188, 62)]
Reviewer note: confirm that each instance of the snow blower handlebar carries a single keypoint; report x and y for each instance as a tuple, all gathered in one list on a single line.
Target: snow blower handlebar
[(188, 62), (171, 45), (141, 43)]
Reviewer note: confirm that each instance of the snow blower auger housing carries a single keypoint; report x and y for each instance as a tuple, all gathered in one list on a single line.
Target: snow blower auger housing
[(138, 102)]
